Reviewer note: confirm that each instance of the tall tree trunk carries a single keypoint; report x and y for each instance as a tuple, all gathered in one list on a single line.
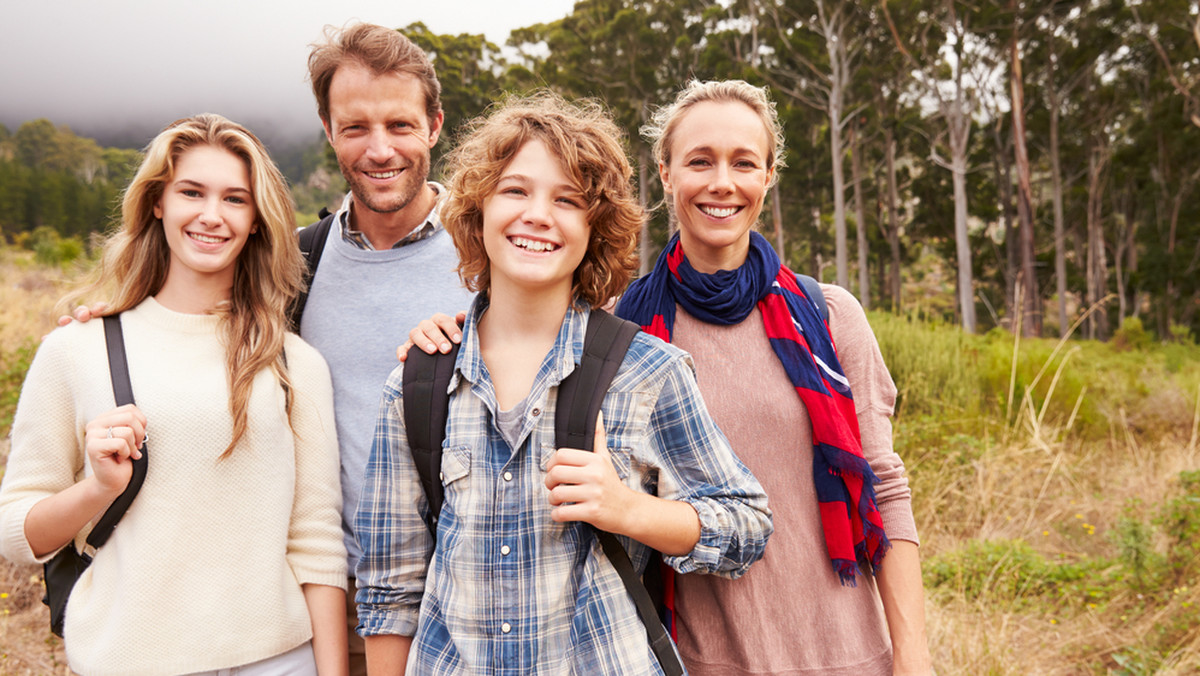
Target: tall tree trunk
[(962, 245), (1008, 220), (892, 233), (860, 217), (643, 195), (1031, 314), (777, 218), (1060, 254), (1097, 265)]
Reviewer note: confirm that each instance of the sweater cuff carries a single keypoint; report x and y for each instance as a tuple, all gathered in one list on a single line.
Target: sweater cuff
[(334, 578), (14, 546)]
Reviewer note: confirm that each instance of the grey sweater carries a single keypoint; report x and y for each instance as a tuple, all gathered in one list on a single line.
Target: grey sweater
[(361, 306)]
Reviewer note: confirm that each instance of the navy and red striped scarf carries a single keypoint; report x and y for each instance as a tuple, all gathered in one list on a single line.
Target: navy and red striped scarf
[(802, 341)]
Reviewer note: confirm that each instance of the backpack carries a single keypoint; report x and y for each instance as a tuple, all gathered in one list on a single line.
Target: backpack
[(312, 245), (427, 402)]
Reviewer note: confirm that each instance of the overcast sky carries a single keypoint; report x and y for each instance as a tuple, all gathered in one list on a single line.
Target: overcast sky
[(100, 65)]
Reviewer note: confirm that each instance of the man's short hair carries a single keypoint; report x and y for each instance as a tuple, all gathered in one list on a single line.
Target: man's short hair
[(380, 49)]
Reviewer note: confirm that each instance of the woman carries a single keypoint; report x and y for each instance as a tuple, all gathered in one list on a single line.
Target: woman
[(231, 554), (545, 223), (719, 292)]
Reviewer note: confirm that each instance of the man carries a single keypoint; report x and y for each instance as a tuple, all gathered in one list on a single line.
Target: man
[(387, 262)]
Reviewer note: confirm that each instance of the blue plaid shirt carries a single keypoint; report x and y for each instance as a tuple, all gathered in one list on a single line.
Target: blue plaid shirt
[(507, 590)]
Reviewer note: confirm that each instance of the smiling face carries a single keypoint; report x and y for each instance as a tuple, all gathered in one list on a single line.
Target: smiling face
[(379, 130), (207, 212), (717, 177), (535, 228)]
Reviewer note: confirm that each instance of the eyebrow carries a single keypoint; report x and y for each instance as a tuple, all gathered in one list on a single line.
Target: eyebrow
[(522, 178), (197, 184)]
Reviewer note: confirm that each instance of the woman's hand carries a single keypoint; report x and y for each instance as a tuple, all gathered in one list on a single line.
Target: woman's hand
[(434, 334), (112, 442)]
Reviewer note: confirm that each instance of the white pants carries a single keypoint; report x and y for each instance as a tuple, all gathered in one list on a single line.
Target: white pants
[(298, 661)]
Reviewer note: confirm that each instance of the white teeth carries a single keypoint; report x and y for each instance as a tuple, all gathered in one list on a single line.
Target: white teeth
[(383, 174), (206, 238), (716, 212), (533, 245)]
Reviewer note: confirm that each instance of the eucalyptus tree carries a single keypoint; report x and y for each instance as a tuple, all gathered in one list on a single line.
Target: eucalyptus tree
[(817, 46), (949, 65)]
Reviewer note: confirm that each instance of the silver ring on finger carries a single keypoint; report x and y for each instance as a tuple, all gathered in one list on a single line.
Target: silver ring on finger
[(110, 433)]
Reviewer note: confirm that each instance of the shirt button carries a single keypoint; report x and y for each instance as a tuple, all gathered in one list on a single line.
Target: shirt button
[(508, 476), (506, 627), (537, 412), (504, 550)]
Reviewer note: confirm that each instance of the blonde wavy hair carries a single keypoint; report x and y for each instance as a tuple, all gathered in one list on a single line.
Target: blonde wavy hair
[(267, 274), (660, 131), (590, 146)]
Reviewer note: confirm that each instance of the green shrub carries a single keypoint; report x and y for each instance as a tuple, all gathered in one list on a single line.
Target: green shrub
[(1007, 571), (1132, 335), (12, 376)]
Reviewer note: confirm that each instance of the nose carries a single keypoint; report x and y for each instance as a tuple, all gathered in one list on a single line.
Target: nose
[(537, 211), (210, 215), (379, 147), (722, 179)]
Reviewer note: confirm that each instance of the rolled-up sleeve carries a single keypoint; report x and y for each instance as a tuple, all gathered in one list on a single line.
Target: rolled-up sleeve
[(697, 466), (391, 531), (874, 403)]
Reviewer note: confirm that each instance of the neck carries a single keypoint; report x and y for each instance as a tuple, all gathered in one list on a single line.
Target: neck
[(708, 260), (522, 317), (383, 230), (195, 296)]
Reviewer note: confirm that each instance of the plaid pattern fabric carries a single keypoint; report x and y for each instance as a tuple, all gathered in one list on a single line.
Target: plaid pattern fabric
[(431, 225), (507, 590)]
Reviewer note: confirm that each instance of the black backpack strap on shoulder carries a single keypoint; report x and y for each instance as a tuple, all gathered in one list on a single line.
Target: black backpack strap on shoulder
[(123, 393), (604, 347), (312, 245), (426, 405), (812, 288)]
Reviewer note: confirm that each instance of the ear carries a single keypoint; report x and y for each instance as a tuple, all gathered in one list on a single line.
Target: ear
[(436, 130), (325, 124), (158, 210), (770, 176), (664, 175)]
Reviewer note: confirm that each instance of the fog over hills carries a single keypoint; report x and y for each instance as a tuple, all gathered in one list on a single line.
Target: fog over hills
[(120, 70)]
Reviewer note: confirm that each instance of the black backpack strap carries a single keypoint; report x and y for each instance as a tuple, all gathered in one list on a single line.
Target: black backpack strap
[(312, 245), (604, 347), (426, 405), (812, 288), (123, 393)]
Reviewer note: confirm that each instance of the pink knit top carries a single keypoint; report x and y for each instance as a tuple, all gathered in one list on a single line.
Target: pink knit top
[(789, 614)]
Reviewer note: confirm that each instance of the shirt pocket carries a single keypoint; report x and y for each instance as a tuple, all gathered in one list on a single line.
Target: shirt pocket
[(456, 483)]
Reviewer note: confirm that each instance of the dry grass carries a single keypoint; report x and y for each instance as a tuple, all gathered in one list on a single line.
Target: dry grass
[(28, 294), (1030, 482)]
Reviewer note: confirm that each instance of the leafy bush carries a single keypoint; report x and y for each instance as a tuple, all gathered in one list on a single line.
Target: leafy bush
[(1132, 335), (12, 375)]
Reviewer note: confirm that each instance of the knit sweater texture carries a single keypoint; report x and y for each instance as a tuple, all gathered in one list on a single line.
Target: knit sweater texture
[(205, 570), (361, 307), (790, 614)]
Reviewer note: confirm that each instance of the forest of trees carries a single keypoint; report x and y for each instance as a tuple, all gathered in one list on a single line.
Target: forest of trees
[(1047, 154)]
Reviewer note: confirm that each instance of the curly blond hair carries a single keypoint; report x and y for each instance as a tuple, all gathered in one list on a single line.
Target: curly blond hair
[(590, 145)]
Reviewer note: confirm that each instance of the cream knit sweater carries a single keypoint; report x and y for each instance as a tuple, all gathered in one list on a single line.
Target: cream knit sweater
[(205, 570)]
